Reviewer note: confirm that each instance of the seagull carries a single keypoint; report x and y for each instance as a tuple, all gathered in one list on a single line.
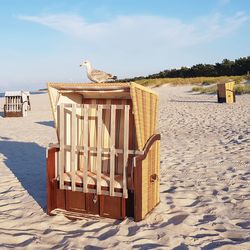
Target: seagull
[(97, 75)]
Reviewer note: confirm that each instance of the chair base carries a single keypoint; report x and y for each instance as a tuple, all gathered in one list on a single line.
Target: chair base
[(224, 99), (75, 204), (13, 114)]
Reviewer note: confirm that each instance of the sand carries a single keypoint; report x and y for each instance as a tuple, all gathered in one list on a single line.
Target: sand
[(205, 176)]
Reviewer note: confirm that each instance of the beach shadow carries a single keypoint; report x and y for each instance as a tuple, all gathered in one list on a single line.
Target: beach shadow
[(195, 101), (38, 92), (148, 246), (220, 243), (26, 160), (47, 123), (2, 114)]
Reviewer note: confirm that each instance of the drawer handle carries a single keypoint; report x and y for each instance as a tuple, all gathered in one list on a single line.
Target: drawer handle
[(95, 199)]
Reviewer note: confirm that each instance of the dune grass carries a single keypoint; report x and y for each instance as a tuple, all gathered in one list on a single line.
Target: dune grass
[(205, 90), (242, 89), (203, 85), (189, 81), (238, 88)]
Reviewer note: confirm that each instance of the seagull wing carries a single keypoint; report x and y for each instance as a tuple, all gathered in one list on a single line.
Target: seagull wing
[(100, 76)]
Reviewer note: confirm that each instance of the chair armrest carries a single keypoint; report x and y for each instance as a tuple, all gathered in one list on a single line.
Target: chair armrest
[(150, 142), (146, 179), (139, 158)]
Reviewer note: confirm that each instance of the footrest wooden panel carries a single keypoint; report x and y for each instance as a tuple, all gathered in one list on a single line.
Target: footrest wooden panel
[(88, 203)]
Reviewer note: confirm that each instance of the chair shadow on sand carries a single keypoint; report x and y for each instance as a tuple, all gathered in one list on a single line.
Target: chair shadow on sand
[(27, 162), (47, 123), (193, 101)]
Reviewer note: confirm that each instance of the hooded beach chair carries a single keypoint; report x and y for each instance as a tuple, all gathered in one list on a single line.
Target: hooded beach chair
[(225, 92), (107, 161), (16, 103)]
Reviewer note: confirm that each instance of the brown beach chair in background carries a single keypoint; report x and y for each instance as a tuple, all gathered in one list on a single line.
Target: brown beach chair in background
[(16, 103), (225, 92), (107, 161)]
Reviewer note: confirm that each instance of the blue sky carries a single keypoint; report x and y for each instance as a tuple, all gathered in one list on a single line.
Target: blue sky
[(46, 40)]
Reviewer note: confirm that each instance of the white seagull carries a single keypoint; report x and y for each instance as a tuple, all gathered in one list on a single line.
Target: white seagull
[(97, 75)]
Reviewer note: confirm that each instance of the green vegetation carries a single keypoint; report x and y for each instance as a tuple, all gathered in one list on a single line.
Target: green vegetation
[(239, 89), (227, 67), (203, 85), (200, 74), (189, 81), (205, 76), (205, 90), (242, 89)]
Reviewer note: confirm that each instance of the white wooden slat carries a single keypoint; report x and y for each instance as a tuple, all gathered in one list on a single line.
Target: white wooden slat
[(106, 138), (20, 104), (95, 106), (99, 147), (16, 109), (61, 141), (14, 104), (17, 103), (92, 135), (112, 150), (85, 144), (125, 154), (73, 147)]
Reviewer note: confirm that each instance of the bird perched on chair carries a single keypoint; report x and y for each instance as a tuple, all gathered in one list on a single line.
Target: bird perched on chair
[(97, 75)]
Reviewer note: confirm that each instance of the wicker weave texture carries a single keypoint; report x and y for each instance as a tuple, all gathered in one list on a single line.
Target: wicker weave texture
[(151, 188), (226, 90), (145, 106)]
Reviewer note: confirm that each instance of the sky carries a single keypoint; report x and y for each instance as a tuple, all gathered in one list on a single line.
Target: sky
[(46, 40)]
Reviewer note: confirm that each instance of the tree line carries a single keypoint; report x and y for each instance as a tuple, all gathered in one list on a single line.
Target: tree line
[(227, 67)]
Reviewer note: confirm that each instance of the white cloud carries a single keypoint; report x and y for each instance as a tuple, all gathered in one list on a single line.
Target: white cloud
[(224, 2), (143, 31)]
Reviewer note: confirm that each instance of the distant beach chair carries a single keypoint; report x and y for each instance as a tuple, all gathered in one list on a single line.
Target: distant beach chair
[(107, 160), (225, 92), (17, 103)]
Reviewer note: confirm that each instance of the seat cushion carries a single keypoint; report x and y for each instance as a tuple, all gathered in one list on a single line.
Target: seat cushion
[(92, 179)]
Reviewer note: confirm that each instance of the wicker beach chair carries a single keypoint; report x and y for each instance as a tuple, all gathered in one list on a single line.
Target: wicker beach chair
[(225, 92), (16, 103), (107, 160)]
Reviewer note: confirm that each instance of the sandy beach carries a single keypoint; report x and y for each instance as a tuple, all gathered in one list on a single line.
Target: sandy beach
[(205, 175)]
